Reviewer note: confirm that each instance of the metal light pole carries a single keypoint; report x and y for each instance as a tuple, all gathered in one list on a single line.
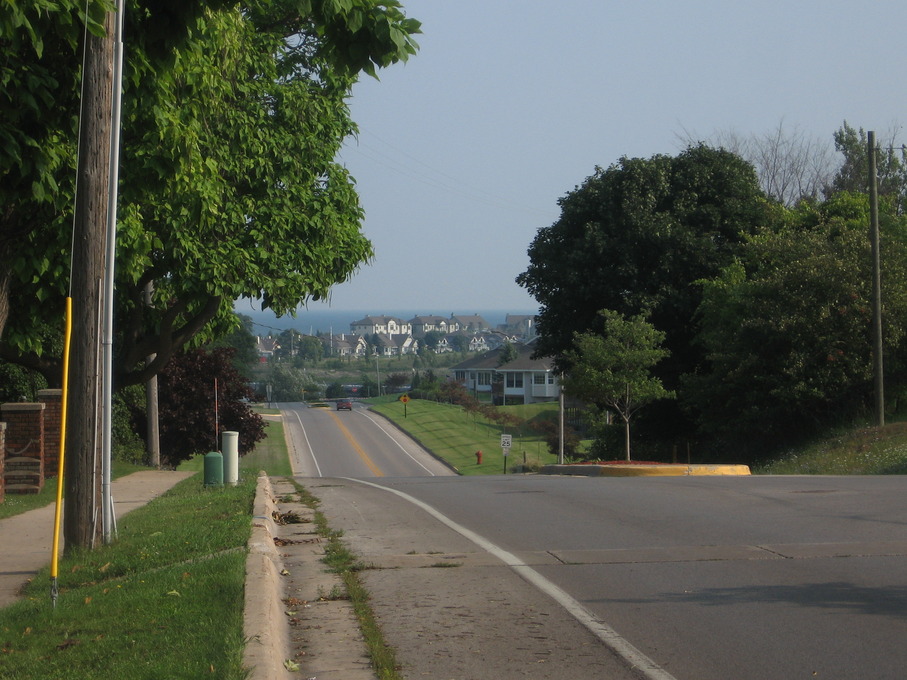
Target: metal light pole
[(108, 518)]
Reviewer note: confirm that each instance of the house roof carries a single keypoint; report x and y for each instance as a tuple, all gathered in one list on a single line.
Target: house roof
[(469, 319), (428, 319), (376, 320), (523, 362)]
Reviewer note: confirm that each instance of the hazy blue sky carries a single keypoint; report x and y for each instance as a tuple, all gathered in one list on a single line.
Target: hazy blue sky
[(465, 150)]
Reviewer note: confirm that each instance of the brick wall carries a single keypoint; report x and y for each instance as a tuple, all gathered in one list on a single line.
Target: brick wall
[(53, 406), (24, 461)]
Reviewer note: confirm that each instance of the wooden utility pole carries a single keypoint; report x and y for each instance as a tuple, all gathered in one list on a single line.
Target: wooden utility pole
[(877, 361), (81, 527)]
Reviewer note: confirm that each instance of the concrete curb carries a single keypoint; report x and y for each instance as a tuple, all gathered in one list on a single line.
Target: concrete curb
[(668, 470), (267, 642)]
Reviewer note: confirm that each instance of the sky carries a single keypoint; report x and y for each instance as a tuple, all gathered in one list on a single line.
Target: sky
[(464, 151)]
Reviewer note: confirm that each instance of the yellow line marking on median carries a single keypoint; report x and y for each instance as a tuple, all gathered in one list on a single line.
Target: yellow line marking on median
[(352, 440)]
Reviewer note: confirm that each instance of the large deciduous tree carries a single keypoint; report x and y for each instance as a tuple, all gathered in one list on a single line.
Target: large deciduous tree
[(635, 238), (233, 113)]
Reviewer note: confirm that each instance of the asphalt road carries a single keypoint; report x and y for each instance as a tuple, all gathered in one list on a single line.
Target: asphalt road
[(712, 577), (328, 443)]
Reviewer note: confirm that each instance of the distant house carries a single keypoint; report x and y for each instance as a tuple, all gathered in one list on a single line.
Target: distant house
[(423, 324), (522, 325), (345, 345), (389, 325), (266, 346), (470, 323), (395, 345), (522, 381), (478, 343)]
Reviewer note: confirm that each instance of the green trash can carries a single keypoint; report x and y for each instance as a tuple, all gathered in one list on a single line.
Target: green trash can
[(214, 469)]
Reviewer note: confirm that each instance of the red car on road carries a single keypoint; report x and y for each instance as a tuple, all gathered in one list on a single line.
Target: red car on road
[(344, 404)]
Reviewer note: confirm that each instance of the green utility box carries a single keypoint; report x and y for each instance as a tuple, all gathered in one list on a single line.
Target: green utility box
[(214, 469)]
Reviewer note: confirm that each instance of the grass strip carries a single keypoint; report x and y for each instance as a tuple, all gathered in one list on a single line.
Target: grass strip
[(163, 601), (454, 435), (339, 559)]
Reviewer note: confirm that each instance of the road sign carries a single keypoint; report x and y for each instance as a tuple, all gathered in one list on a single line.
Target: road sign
[(506, 441)]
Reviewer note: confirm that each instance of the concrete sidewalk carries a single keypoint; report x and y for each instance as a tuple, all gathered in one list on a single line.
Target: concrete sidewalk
[(26, 539)]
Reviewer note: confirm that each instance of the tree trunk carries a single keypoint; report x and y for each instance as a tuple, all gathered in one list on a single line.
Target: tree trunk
[(81, 528), (627, 436)]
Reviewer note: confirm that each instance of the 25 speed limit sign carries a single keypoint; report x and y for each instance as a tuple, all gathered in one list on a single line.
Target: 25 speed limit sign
[(506, 441)]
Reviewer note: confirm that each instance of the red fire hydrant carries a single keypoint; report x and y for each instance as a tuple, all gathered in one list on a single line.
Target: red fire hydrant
[(478, 457)]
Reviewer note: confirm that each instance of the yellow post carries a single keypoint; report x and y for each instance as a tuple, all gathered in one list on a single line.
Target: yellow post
[(55, 552)]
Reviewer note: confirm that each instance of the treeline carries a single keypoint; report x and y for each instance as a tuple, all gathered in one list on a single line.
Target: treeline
[(765, 304)]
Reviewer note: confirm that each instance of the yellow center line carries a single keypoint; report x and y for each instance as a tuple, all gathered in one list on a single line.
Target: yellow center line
[(352, 440)]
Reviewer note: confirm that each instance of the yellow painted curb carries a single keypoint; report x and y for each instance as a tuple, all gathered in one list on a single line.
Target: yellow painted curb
[(618, 470)]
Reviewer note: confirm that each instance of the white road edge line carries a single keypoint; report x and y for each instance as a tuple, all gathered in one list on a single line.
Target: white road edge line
[(308, 443), (381, 427), (601, 630)]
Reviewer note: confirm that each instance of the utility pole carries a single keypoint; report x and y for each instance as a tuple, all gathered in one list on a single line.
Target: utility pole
[(83, 464), (877, 361)]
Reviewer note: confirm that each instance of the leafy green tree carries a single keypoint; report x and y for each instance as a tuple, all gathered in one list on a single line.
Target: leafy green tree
[(204, 222), (508, 353), (612, 370), (288, 344), (279, 221), (430, 341), (395, 382), (310, 349), (287, 382), (334, 390), (18, 383), (242, 340), (459, 342), (635, 238), (786, 328), (853, 174), (368, 386)]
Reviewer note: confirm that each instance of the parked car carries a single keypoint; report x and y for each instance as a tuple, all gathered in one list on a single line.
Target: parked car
[(344, 404)]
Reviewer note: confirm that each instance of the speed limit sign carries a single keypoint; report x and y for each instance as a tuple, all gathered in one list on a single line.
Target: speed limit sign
[(506, 441)]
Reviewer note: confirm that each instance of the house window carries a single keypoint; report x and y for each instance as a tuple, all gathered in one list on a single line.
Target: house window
[(538, 379), (485, 378), (514, 380)]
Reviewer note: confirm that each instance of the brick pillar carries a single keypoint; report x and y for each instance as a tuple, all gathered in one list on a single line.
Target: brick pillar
[(24, 464), (53, 406), (2, 457)]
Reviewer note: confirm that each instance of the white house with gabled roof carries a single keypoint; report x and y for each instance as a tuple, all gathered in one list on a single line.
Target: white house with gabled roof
[(389, 325), (523, 381)]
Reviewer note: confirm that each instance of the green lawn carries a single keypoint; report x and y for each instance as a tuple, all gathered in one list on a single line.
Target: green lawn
[(860, 451), (454, 435), (270, 455), (165, 600)]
